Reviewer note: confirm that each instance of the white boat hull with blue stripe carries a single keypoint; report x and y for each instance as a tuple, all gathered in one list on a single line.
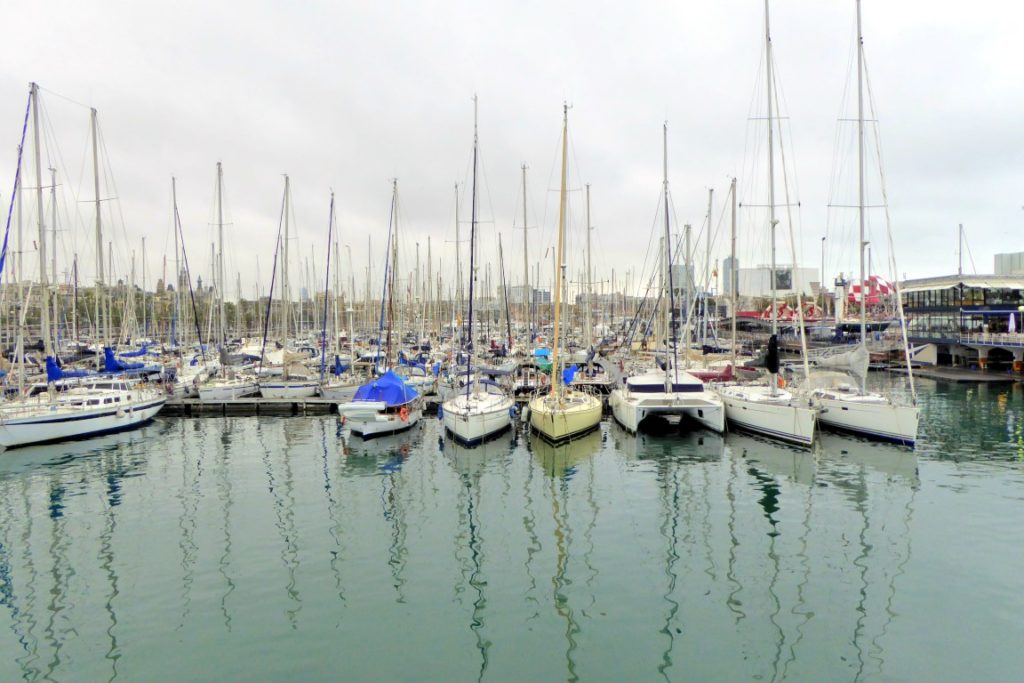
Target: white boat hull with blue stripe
[(776, 414), (867, 414), (76, 414)]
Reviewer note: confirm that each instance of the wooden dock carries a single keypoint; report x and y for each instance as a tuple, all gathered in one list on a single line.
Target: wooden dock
[(255, 405), (193, 407), (944, 374)]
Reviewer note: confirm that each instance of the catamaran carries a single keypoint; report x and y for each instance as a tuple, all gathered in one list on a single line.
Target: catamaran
[(669, 392)]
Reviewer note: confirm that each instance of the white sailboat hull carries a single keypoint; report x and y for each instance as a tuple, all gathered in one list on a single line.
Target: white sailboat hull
[(630, 409), (368, 418), (289, 389), (755, 409), (227, 391), (560, 419), (43, 425), (869, 415), (473, 419), (343, 393)]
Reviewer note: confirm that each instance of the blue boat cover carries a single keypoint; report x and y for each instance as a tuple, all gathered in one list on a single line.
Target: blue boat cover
[(388, 388), (54, 371), (339, 367), (111, 364), (133, 354), (568, 374)]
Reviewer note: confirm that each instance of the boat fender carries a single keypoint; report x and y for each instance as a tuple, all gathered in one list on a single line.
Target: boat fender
[(342, 419), (403, 414), (782, 382), (120, 412), (440, 412), (512, 412)]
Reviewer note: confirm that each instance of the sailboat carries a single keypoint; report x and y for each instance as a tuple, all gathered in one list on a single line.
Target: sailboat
[(768, 409), (667, 392), (844, 406), (387, 404), (296, 381), (97, 405), (563, 413), (232, 383), (482, 409), (594, 373)]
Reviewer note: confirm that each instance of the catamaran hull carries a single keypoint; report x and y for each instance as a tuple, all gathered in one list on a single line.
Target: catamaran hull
[(630, 410), (41, 429), (474, 425), (561, 425), (782, 421), (881, 421)]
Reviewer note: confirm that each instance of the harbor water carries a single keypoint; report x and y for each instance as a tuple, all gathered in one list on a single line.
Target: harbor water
[(278, 548)]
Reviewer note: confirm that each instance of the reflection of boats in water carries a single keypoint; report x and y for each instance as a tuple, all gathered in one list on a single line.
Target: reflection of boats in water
[(774, 457), (560, 460), (885, 458), (471, 460), (28, 457), (698, 445), (383, 453)]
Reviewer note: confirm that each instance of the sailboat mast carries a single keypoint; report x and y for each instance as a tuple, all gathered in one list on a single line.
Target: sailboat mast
[(284, 266), (53, 252), (472, 251), (733, 275), (145, 329), (860, 180), (102, 333), (670, 311), (772, 222), (555, 376), (771, 162), (177, 266), (44, 309), (458, 258), (590, 326), (74, 298), (220, 256), (527, 299), (705, 318)]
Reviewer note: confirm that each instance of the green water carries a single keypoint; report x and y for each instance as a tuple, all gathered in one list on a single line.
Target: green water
[(277, 549)]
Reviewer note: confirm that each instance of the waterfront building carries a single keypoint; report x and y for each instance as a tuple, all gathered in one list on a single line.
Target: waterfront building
[(970, 319), (757, 282)]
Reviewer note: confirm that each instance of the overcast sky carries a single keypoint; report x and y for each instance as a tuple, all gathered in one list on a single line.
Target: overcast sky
[(348, 95)]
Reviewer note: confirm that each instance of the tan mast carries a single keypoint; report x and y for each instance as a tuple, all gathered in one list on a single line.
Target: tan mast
[(558, 256)]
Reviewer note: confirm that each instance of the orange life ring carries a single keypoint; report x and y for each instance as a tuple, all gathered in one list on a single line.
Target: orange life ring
[(403, 414)]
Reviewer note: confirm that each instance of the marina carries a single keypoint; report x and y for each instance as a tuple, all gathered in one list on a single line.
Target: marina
[(259, 546), (416, 353)]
